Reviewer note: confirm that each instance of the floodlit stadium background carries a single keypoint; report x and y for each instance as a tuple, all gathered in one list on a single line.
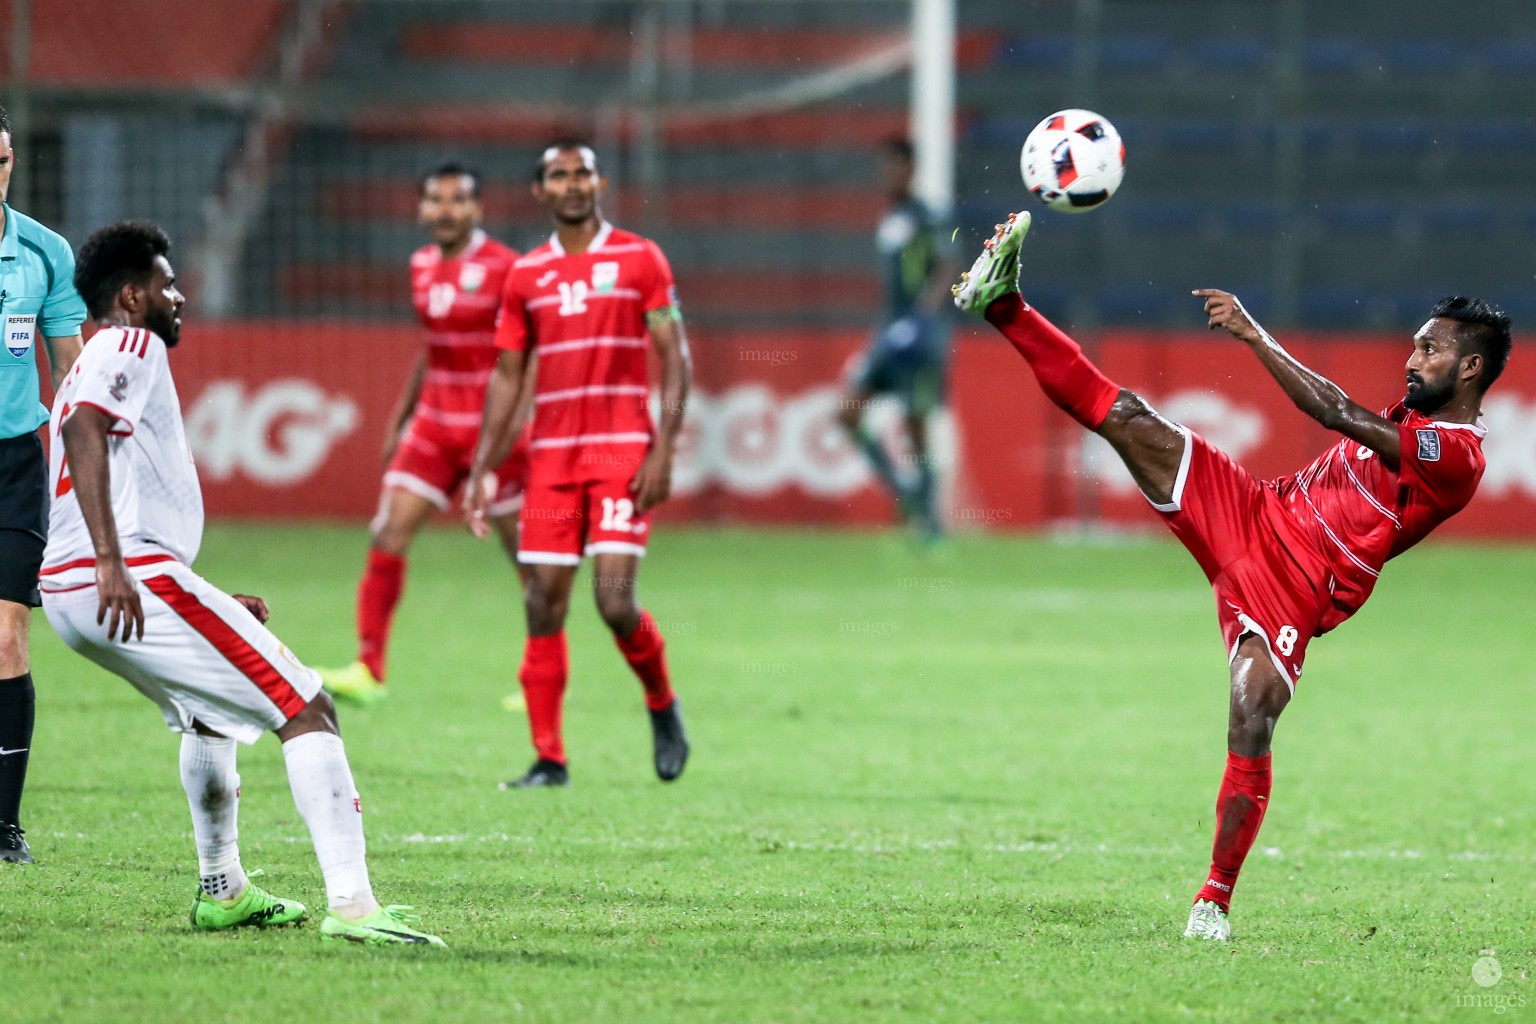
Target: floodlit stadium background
[(1339, 165)]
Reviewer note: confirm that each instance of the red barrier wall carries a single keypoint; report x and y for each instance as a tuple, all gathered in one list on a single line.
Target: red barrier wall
[(287, 420)]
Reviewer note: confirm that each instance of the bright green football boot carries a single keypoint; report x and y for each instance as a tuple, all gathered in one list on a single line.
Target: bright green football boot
[(354, 684), (387, 925), (255, 906), (996, 271)]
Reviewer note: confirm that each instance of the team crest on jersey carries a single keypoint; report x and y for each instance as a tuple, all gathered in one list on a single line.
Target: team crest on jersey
[(1429, 445), (605, 277), (118, 389), (471, 277)]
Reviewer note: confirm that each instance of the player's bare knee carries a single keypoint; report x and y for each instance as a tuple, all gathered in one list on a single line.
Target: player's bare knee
[(319, 715), (545, 606), (616, 605), (1259, 695), (391, 538)]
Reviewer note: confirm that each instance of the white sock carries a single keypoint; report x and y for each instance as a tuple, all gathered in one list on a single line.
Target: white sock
[(213, 794), (326, 798)]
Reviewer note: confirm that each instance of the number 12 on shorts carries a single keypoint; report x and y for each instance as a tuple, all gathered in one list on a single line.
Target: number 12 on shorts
[(617, 513)]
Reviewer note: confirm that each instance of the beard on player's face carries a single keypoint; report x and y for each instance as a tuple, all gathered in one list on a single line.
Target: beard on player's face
[(162, 319), (1427, 395)]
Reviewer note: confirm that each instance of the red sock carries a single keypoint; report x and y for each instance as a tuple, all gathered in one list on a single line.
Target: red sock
[(377, 595), (1240, 809), (1065, 374), (546, 665), (646, 653)]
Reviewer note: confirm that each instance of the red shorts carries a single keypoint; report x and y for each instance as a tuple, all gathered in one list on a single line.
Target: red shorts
[(1265, 581), (433, 463), (564, 521)]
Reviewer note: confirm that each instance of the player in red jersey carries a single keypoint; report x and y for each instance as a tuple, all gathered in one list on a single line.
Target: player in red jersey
[(1290, 558), (591, 301), (456, 283)]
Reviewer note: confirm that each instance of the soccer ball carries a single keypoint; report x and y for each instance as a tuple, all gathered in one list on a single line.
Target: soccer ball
[(1073, 161)]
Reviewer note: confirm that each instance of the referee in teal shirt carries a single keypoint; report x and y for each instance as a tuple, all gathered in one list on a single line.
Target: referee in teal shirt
[(38, 301)]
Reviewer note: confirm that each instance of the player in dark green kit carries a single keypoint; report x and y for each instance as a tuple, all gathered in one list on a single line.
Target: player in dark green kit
[(908, 358)]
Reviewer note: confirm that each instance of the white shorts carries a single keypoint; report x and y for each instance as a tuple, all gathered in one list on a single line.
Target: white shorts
[(204, 658)]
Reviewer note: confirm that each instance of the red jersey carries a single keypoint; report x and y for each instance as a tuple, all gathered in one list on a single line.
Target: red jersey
[(1358, 513), (457, 301), (584, 316)]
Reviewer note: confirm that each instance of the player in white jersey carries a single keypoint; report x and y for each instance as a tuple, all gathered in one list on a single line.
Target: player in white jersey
[(118, 587)]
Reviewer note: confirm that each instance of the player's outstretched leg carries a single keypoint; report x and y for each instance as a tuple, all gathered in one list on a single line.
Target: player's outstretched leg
[(1259, 694), (226, 896), (324, 793), (990, 288)]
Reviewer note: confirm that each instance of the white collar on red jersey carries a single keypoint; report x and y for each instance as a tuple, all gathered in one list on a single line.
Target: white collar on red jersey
[(598, 240), (476, 240), (1478, 427)]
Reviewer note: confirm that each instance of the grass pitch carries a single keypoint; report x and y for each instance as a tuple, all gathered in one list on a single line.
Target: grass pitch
[(973, 786)]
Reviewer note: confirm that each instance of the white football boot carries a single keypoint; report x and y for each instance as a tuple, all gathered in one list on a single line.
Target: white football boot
[(1208, 921)]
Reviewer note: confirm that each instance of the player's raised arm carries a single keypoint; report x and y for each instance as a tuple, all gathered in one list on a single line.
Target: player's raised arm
[(502, 397), (84, 433), (652, 485), (1314, 394)]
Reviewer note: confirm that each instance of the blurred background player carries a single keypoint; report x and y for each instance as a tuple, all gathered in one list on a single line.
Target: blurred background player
[(584, 303), (908, 356), (1290, 558), (37, 298), (118, 588), (456, 283)]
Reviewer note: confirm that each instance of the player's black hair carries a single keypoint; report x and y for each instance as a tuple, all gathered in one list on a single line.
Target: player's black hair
[(1484, 327), (899, 146), (560, 145), (118, 254), (453, 169), (5, 122)]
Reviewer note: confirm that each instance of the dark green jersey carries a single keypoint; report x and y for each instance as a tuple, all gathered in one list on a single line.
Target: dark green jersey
[(908, 243)]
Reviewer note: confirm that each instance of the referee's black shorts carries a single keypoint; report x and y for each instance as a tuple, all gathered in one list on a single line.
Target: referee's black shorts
[(23, 517)]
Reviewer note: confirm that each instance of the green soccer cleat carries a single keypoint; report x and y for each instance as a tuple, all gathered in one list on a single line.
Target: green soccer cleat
[(255, 906), (996, 271), (387, 925), (354, 684)]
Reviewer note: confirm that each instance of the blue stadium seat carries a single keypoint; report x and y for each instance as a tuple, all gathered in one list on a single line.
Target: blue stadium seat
[(1134, 54), (1401, 133), (1035, 51), (1427, 56), (1512, 57), (1333, 55), (1240, 53), (1366, 217)]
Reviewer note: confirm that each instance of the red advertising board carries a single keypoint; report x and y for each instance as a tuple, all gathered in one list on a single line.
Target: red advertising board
[(287, 421)]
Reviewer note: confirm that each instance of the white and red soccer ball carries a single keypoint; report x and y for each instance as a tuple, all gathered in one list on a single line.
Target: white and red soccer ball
[(1073, 161)]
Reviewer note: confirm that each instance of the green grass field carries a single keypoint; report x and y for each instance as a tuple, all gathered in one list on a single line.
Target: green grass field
[(975, 786)]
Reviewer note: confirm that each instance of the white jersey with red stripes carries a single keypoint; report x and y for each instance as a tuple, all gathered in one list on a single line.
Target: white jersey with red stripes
[(584, 315), (156, 499), (457, 301)]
